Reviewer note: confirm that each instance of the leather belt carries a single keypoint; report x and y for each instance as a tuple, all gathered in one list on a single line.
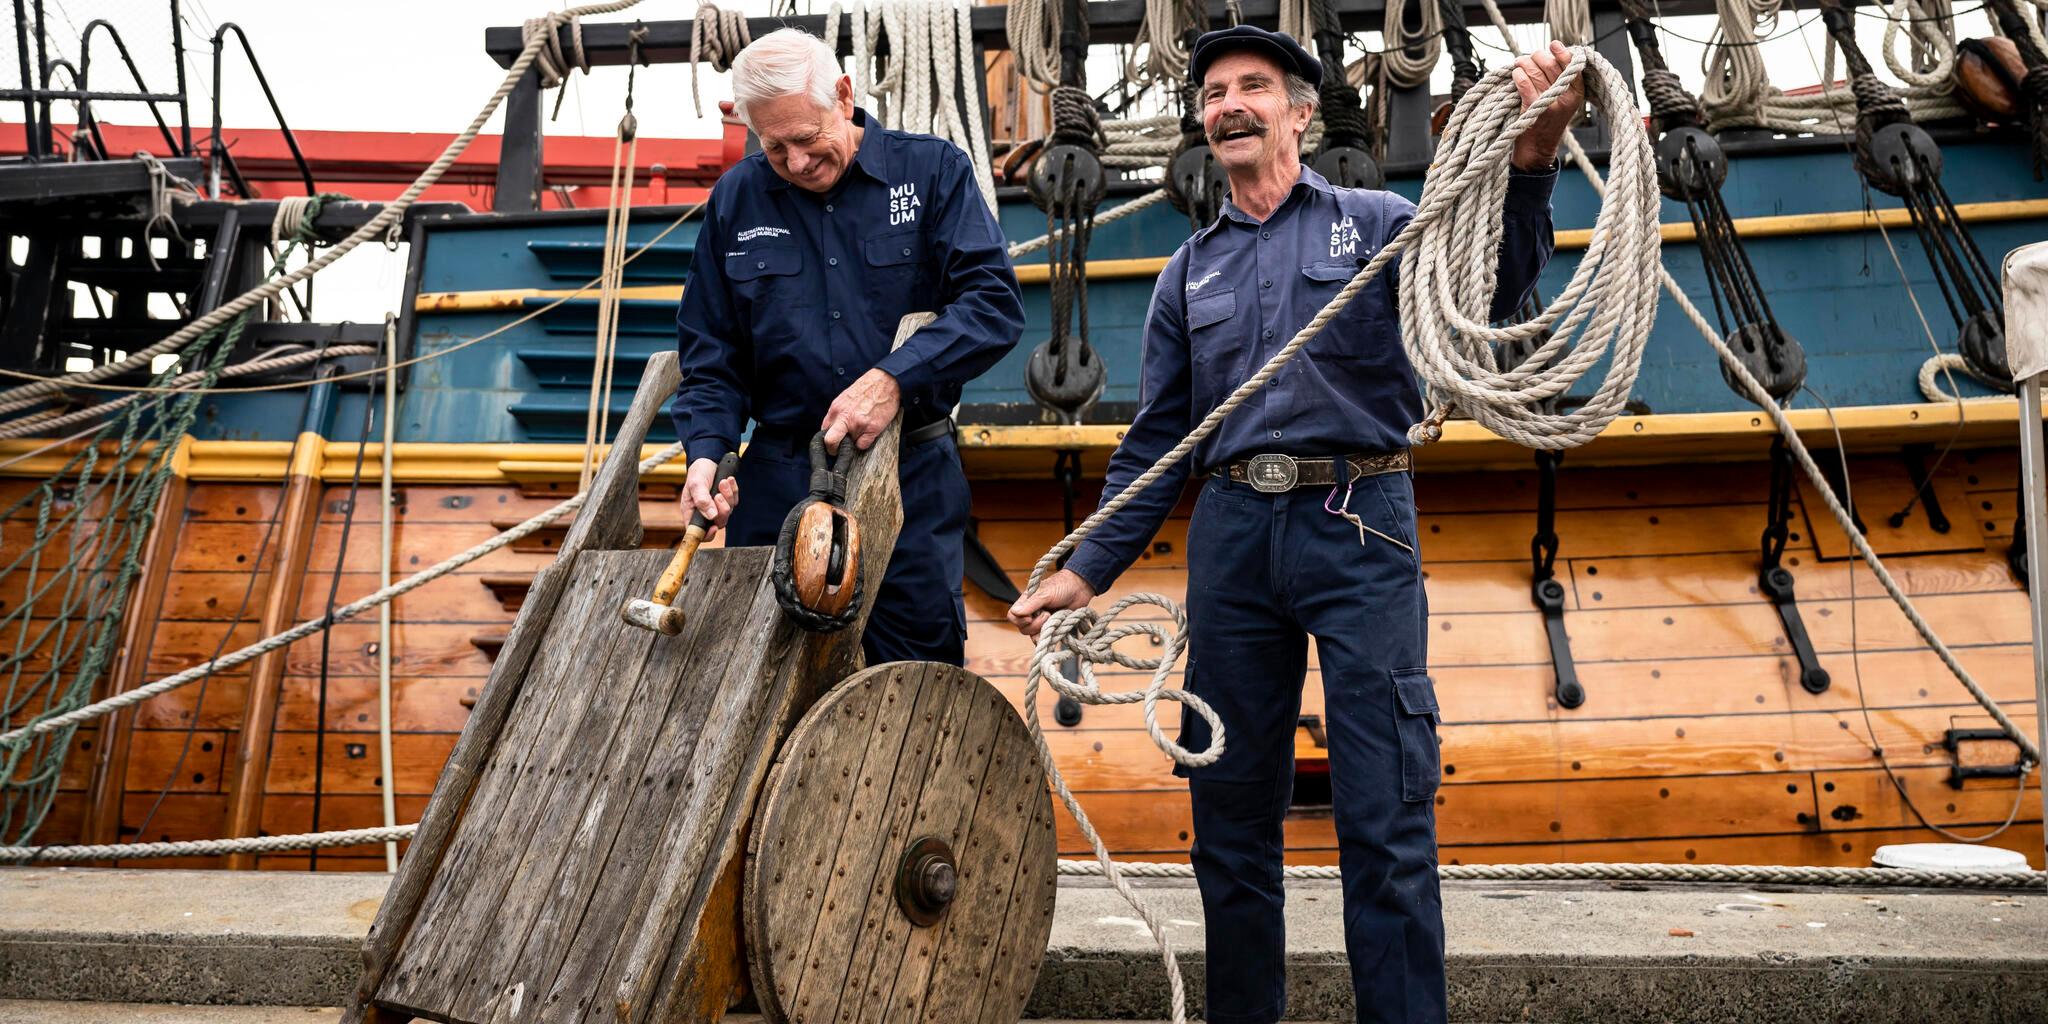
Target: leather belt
[(1272, 474), (929, 432)]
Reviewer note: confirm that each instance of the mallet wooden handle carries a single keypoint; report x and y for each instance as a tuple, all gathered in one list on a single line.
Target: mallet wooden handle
[(693, 535)]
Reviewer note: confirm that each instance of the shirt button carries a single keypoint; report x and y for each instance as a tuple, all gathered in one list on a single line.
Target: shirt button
[(1265, 234), (828, 207), (1276, 434), (840, 370), (760, 264), (832, 261), (1266, 284), (906, 252), (1269, 332), (835, 314)]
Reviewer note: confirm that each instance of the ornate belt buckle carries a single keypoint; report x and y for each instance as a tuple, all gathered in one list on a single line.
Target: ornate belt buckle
[(1272, 474)]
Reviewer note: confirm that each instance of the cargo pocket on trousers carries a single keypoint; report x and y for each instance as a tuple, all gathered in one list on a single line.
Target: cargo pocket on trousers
[(1415, 718)]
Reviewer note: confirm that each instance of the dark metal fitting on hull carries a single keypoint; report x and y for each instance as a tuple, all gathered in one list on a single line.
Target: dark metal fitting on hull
[(1982, 343), (1201, 183), (1064, 175), (1690, 163), (1774, 358), (1068, 379), (1776, 583), (1897, 153), (1349, 167)]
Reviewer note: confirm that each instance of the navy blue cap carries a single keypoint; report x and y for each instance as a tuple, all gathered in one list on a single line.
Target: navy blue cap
[(1279, 46)]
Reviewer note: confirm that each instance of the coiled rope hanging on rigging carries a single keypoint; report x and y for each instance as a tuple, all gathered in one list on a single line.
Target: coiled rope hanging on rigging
[(1448, 272), (1739, 94), (716, 35)]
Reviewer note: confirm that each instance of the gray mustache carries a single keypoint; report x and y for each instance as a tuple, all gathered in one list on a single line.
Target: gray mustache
[(1237, 123)]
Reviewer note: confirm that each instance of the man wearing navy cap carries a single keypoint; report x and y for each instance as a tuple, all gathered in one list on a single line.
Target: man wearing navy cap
[(1304, 527)]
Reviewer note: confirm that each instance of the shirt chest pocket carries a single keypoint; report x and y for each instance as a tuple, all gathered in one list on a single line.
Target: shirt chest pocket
[(1367, 310), (894, 262), (768, 276), (1209, 316)]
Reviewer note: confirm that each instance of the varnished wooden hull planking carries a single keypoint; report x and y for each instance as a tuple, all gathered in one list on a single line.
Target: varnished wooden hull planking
[(1695, 743)]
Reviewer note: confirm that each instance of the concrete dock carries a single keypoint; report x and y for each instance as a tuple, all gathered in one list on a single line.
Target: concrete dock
[(1531, 952)]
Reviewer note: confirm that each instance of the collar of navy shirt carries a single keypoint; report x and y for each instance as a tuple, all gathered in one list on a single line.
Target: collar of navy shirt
[(1309, 180), (871, 158)]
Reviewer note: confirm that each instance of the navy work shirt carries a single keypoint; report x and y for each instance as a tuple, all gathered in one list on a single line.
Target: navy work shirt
[(1235, 293), (794, 294)]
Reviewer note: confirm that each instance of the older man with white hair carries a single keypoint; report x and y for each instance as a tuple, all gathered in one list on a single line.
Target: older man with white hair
[(810, 253)]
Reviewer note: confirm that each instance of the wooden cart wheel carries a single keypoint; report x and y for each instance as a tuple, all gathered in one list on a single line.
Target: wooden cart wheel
[(901, 864)]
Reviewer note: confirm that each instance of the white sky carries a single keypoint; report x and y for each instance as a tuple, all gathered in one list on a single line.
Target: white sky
[(419, 66)]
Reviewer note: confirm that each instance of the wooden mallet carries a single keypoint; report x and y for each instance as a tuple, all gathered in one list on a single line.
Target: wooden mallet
[(660, 614)]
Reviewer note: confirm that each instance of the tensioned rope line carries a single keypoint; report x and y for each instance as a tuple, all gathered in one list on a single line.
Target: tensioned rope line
[(314, 625), (30, 424), (1756, 393), (1448, 277), (539, 32)]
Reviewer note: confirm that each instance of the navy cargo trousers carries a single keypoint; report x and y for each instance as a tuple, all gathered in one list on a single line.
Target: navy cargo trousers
[(918, 613), (1265, 573)]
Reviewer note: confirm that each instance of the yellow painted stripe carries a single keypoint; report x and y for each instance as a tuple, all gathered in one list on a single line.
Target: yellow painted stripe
[(1630, 439), (514, 298)]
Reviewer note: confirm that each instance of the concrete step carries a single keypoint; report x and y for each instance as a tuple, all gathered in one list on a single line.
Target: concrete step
[(1534, 952)]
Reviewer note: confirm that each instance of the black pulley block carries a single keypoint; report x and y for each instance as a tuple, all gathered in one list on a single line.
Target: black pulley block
[(1983, 347), (1689, 163), (1064, 174), (1201, 181), (1349, 167), (1068, 380), (1770, 355), (1892, 165)]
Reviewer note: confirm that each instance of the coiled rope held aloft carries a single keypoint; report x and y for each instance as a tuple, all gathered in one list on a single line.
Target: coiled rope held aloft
[(1448, 276)]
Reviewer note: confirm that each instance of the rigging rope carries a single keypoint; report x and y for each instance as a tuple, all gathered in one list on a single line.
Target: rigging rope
[(1739, 94), (717, 36), (538, 34)]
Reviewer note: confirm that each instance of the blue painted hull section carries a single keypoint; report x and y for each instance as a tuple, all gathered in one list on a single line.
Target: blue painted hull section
[(1839, 294)]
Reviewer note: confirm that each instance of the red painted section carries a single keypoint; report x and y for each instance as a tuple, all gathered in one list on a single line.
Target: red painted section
[(379, 165)]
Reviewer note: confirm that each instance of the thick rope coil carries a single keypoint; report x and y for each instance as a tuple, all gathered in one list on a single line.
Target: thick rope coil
[(1034, 30), (1670, 101), (551, 62), (1160, 52), (1570, 21), (1738, 92), (1410, 55), (1449, 273), (716, 36), (1949, 363), (28, 396), (1931, 30)]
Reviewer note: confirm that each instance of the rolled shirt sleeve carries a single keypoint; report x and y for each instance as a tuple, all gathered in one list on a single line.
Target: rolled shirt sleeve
[(981, 309), (1165, 415)]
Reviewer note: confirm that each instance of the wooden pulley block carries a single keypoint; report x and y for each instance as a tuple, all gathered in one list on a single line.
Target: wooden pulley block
[(901, 864), (1988, 76), (825, 563)]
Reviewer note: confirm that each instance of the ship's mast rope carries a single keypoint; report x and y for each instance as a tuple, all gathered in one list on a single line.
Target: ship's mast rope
[(540, 32)]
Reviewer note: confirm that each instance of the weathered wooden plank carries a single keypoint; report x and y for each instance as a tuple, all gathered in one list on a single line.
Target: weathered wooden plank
[(534, 845), (963, 761), (1878, 488), (704, 655), (395, 917), (644, 762), (516, 780), (839, 967), (1027, 921)]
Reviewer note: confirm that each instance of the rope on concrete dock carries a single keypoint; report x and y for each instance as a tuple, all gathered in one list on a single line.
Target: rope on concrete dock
[(1740, 874)]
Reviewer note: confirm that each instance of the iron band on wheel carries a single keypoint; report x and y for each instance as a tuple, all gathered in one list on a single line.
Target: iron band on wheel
[(817, 568)]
